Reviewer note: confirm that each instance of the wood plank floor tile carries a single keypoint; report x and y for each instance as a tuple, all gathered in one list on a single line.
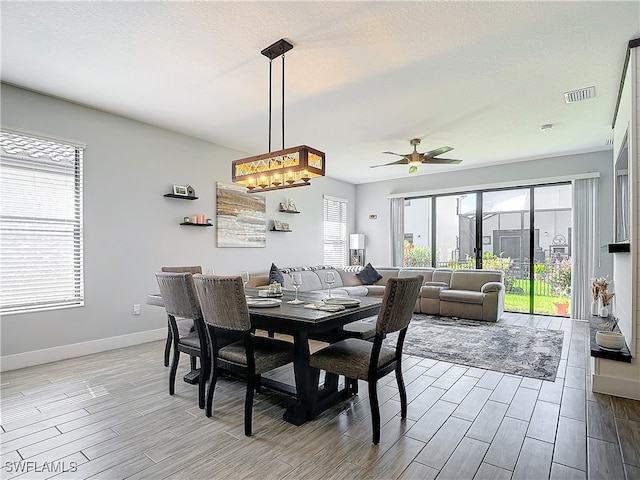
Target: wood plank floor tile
[(465, 461), (459, 390), (571, 443), (562, 472), (423, 402), (427, 426), (534, 460), (491, 472), (490, 379), (438, 450), (488, 421), (506, 444), (506, 389), (417, 471), (632, 472), (605, 460), (573, 404), (629, 434), (544, 422), (552, 391), (575, 377), (523, 403), (601, 423), (472, 404), (396, 459)]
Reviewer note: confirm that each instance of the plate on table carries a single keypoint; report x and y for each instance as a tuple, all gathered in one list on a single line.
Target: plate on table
[(263, 302), (344, 301)]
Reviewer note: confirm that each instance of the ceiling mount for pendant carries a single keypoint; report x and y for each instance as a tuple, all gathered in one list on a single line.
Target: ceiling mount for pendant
[(286, 168)]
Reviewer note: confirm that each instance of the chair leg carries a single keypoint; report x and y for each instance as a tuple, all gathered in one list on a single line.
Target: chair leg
[(172, 372), (167, 347), (402, 390), (212, 386), (375, 410), (248, 403), (202, 383)]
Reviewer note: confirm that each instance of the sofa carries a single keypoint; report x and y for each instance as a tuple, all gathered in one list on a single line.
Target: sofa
[(473, 294)]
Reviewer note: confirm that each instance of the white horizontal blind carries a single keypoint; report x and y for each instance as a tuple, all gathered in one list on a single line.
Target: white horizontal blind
[(335, 231), (41, 255)]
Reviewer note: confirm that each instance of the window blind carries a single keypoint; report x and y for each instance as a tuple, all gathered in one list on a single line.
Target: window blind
[(41, 254), (335, 231)]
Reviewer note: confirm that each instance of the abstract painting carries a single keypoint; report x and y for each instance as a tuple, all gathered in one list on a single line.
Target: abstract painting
[(241, 216)]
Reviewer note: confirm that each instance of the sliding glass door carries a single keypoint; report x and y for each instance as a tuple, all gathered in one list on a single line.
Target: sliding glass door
[(526, 232)]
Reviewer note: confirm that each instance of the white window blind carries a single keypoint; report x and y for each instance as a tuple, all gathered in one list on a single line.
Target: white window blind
[(335, 231), (40, 224)]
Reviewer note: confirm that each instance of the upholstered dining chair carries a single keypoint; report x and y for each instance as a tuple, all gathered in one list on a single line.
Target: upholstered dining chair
[(224, 306), (360, 359), (180, 300), (185, 325)]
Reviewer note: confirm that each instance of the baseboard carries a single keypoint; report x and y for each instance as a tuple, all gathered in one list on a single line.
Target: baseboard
[(38, 357), (617, 387)]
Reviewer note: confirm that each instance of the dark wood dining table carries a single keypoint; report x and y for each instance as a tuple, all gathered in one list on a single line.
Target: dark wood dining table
[(303, 324)]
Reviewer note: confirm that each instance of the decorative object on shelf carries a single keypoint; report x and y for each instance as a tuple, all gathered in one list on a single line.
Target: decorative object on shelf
[(610, 340), (277, 225), (285, 226), (288, 207), (190, 191), (599, 287), (286, 168), (180, 190), (240, 217), (356, 248)]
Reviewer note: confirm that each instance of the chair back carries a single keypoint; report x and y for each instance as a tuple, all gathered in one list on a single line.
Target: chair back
[(223, 302), (190, 269), (400, 295), (179, 294)]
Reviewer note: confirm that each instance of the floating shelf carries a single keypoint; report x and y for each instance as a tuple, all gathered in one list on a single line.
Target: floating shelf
[(619, 248), (182, 197), (288, 211), (622, 356), (274, 230), (197, 224)]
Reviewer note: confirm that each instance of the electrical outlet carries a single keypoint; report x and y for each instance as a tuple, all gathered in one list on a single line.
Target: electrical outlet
[(136, 309)]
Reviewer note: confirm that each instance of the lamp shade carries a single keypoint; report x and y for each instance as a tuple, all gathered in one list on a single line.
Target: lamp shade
[(356, 241)]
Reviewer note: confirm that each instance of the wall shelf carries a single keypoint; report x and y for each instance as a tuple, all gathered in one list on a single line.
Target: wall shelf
[(274, 230), (181, 197), (288, 211), (619, 248), (622, 356), (197, 224)]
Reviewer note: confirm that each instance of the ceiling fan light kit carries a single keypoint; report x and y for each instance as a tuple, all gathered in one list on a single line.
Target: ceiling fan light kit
[(286, 168), (415, 158)]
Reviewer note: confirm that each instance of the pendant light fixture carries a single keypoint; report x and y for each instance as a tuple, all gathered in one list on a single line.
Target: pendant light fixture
[(286, 168)]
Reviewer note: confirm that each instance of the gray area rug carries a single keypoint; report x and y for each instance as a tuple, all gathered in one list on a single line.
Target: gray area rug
[(524, 351)]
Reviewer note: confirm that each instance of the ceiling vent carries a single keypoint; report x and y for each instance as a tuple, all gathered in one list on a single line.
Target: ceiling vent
[(579, 95)]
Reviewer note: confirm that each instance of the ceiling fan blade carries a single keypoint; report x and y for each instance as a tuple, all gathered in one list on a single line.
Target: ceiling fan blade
[(437, 151), (404, 161), (394, 153), (441, 161)]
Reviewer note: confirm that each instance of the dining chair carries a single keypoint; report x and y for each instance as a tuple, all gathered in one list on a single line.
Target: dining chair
[(360, 359), (224, 306), (180, 300), (185, 325)]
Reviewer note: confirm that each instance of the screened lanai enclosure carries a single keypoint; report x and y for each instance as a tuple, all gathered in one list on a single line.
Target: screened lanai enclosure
[(525, 231)]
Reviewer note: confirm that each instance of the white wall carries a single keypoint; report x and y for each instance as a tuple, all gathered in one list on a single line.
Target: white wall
[(131, 230), (371, 197)]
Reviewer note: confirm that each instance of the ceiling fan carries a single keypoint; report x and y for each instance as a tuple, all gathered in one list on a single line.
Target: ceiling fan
[(414, 158)]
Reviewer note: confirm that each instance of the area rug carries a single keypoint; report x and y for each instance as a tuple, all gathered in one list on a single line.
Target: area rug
[(524, 351)]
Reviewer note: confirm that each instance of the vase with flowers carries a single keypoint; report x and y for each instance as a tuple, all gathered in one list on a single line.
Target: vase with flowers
[(597, 285)]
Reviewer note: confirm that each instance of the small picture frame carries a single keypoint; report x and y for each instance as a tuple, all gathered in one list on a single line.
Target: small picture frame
[(285, 226), (283, 207), (190, 191), (292, 207), (277, 225), (180, 190)]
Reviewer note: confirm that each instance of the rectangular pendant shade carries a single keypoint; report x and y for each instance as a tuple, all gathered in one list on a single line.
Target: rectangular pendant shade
[(288, 168)]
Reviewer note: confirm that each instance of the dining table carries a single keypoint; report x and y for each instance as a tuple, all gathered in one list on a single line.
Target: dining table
[(303, 322)]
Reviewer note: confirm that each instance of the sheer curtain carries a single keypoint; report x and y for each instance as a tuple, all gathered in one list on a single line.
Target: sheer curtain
[(585, 245), (396, 241)]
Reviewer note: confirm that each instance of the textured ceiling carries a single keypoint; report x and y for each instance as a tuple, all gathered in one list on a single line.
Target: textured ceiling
[(363, 78)]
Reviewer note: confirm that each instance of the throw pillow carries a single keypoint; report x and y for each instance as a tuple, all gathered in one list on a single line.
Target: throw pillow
[(275, 275), (368, 275)]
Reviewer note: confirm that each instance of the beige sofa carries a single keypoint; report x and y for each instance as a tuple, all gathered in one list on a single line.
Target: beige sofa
[(474, 294)]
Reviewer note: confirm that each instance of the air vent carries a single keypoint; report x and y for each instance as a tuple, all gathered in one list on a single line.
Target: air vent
[(579, 95), (609, 142)]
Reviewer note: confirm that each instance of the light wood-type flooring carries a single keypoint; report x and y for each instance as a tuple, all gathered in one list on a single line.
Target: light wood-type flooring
[(110, 416)]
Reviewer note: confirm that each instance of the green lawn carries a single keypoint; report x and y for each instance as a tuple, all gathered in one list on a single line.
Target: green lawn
[(520, 303)]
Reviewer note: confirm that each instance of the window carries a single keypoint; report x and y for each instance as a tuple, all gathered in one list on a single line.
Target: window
[(40, 224), (335, 231)]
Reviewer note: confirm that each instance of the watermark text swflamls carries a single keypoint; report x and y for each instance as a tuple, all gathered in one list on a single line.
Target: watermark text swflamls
[(26, 466)]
